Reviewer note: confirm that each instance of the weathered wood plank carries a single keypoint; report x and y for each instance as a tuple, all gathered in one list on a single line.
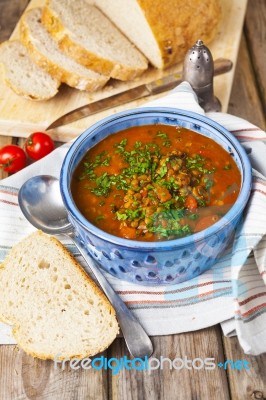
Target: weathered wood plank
[(37, 116), (10, 12), (23, 377), (9, 16), (244, 100), (167, 384), (4, 140), (255, 28), (245, 384)]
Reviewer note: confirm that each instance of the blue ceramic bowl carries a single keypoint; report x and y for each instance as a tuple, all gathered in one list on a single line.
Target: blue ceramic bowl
[(166, 262)]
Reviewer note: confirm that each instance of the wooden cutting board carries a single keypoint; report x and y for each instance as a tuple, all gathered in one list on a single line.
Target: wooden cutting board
[(19, 117)]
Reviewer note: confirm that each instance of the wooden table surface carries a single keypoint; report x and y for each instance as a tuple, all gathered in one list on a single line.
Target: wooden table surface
[(23, 377)]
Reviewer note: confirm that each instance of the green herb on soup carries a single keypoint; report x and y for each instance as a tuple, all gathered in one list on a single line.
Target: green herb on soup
[(155, 183)]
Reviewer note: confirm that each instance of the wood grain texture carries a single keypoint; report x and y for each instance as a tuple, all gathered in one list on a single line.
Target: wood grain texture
[(9, 16), (255, 28), (173, 384), (4, 140), (23, 377), (245, 101), (245, 384), (10, 12), (32, 116)]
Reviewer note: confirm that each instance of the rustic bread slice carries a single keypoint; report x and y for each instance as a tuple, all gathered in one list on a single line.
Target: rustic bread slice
[(164, 30), (23, 76), (46, 53), (86, 34), (54, 307)]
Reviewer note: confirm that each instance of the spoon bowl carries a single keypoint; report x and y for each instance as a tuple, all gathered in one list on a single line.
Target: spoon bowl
[(41, 203)]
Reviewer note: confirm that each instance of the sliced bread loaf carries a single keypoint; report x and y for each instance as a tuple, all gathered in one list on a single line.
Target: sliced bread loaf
[(23, 76), (46, 53), (164, 30), (84, 33), (56, 310)]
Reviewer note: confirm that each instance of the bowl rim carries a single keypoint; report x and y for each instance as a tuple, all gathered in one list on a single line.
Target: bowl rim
[(235, 211)]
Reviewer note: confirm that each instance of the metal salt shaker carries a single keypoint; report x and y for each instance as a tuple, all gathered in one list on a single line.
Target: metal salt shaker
[(198, 71)]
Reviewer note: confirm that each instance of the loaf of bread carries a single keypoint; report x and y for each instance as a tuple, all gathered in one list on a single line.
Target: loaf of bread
[(55, 309), (46, 53), (83, 43), (164, 30), (23, 76), (83, 32)]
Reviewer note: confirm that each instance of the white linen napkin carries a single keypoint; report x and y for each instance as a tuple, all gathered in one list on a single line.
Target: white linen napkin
[(232, 292)]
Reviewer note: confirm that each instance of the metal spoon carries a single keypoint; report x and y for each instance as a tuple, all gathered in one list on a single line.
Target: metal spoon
[(41, 203)]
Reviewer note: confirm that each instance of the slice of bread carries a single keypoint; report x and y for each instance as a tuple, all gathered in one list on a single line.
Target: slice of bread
[(55, 308), (84, 33), (46, 53), (164, 30), (23, 76)]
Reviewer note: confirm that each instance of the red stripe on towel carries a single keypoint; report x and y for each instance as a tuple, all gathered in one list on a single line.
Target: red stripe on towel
[(164, 292), (255, 296)]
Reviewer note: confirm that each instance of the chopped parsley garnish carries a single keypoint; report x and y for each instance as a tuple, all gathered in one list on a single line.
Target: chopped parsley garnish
[(208, 183), (165, 138), (197, 162), (120, 147), (99, 217), (193, 217), (167, 224), (151, 186), (130, 215), (227, 167), (89, 167)]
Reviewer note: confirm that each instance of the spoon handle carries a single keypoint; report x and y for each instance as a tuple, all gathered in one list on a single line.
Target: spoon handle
[(137, 340)]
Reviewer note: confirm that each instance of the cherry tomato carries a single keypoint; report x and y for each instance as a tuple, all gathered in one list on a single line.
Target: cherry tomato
[(38, 145), (12, 158)]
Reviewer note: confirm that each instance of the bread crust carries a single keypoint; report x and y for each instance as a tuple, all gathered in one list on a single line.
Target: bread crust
[(177, 25), (58, 71), (15, 89), (86, 278), (83, 56)]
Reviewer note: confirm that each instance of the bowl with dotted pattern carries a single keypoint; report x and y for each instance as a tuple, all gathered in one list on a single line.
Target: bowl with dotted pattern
[(162, 262)]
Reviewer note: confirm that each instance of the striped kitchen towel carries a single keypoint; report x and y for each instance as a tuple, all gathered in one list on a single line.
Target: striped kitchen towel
[(232, 292)]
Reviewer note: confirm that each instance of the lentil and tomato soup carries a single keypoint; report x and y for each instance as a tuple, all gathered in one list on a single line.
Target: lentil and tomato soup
[(155, 182)]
